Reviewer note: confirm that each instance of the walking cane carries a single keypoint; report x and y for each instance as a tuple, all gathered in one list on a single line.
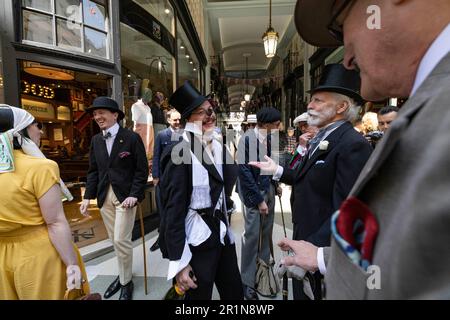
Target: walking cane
[(285, 278), (141, 218)]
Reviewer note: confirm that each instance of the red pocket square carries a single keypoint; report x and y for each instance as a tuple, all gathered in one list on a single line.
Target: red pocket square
[(357, 225), (124, 154)]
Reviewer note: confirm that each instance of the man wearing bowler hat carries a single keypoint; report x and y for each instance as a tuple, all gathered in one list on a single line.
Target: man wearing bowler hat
[(197, 176), (331, 165), (118, 172)]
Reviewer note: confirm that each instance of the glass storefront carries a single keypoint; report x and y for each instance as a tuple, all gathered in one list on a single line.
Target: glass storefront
[(188, 66), (162, 10), (58, 98), (71, 25), (145, 64), (2, 90)]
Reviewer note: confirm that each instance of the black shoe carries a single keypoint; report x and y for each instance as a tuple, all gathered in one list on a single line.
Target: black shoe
[(112, 289), (155, 246), (250, 293), (127, 291)]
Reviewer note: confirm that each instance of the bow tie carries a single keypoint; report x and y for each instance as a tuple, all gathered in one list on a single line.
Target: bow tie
[(107, 135)]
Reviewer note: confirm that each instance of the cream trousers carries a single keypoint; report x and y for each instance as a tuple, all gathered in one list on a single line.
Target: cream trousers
[(119, 224)]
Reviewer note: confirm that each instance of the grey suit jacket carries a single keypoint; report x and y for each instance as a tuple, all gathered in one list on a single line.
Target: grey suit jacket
[(406, 184)]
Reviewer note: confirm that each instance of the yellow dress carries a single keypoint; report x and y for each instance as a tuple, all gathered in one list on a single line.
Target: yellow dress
[(30, 266)]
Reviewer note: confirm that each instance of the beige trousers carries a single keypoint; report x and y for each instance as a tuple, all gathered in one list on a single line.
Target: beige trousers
[(119, 223)]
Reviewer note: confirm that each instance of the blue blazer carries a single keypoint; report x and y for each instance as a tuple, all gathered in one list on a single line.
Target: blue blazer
[(163, 139)]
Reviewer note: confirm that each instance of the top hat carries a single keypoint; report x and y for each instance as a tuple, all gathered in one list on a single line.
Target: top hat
[(336, 78), (106, 103), (6, 118), (312, 18), (186, 99)]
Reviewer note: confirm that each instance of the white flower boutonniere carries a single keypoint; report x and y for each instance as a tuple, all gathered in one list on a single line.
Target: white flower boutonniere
[(323, 145)]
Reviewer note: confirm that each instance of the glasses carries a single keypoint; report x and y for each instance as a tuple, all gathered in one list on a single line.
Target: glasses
[(208, 112), (335, 26)]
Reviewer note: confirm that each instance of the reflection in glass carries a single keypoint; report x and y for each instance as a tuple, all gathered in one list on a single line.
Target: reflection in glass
[(69, 34), (44, 5), (94, 14), (95, 42), (2, 96), (70, 9), (37, 27), (187, 60), (161, 10)]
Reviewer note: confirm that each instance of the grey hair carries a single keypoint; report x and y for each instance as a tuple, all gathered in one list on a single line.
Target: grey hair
[(353, 108)]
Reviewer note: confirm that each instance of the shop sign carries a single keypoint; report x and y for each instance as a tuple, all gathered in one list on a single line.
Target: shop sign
[(37, 90), (63, 113), (39, 109)]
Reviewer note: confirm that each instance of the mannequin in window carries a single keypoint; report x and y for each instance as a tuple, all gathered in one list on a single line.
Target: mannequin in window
[(141, 116), (159, 121)]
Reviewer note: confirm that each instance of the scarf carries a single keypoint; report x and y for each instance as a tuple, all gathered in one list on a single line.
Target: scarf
[(22, 119)]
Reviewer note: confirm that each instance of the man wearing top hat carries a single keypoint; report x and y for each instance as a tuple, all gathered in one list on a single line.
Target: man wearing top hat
[(331, 165), (118, 172), (197, 176)]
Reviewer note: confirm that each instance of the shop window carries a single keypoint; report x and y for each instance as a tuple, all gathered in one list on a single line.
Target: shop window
[(145, 64), (2, 95), (80, 25), (161, 10), (188, 66)]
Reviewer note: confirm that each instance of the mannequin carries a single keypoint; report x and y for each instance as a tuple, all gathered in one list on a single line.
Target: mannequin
[(143, 121)]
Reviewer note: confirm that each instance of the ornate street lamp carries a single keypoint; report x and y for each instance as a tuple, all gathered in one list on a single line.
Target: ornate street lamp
[(270, 37)]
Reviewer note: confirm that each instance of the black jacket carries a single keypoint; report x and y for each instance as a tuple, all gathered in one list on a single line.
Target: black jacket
[(126, 169), (321, 183), (176, 191)]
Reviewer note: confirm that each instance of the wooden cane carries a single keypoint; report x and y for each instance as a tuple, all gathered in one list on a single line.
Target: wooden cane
[(141, 217), (285, 278)]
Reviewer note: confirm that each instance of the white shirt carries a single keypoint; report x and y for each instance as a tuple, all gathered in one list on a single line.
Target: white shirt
[(435, 53), (141, 113), (110, 141)]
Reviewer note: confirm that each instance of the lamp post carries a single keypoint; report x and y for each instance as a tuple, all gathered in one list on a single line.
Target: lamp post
[(270, 37)]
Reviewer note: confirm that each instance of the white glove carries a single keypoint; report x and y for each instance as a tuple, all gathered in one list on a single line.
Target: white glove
[(293, 271), (73, 277)]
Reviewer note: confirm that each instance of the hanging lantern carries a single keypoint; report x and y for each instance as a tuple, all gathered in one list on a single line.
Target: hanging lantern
[(270, 37)]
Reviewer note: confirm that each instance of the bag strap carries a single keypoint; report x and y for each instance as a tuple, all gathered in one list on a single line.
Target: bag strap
[(261, 222)]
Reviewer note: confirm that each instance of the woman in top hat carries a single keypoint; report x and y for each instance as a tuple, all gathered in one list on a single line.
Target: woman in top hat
[(117, 176), (197, 176), (38, 258)]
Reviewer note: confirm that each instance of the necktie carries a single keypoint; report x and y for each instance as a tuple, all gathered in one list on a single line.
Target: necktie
[(314, 142), (107, 136)]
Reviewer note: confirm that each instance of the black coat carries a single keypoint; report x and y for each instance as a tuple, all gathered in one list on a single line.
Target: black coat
[(127, 174), (176, 191), (321, 183)]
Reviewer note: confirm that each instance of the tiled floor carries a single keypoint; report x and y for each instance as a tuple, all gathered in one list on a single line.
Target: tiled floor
[(103, 270)]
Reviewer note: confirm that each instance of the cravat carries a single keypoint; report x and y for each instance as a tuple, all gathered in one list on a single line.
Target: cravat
[(314, 142), (107, 135)]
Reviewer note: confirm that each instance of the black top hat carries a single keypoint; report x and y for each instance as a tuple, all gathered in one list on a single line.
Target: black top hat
[(6, 118), (186, 99), (106, 103), (335, 78), (311, 18)]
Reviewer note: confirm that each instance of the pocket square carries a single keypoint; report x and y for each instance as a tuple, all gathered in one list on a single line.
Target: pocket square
[(355, 229), (124, 154), (319, 162)]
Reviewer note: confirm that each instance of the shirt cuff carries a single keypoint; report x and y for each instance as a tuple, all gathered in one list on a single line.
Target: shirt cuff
[(176, 266), (278, 173), (321, 261)]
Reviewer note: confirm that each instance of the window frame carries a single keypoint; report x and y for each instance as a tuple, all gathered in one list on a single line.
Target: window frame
[(54, 16)]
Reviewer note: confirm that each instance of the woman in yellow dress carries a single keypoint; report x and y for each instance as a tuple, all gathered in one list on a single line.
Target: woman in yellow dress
[(37, 257)]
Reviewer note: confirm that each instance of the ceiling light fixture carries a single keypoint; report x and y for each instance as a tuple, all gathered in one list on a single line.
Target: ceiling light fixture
[(247, 95), (181, 47), (167, 11), (270, 37)]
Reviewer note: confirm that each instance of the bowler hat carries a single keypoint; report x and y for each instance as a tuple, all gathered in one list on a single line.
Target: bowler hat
[(186, 99), (336, 78), (311, 18), (106, 103)]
